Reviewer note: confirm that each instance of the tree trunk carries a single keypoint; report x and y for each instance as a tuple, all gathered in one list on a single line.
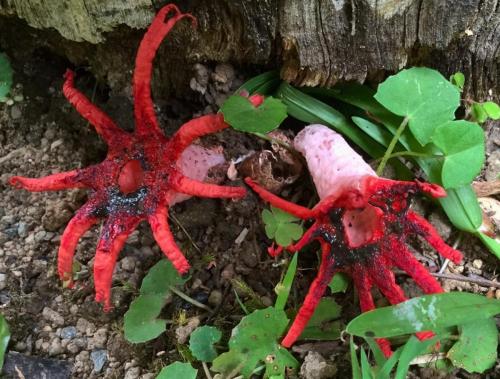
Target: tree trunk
[(315, 42)]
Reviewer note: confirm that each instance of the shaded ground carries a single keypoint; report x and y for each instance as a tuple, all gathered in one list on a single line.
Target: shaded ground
[(42, 134)]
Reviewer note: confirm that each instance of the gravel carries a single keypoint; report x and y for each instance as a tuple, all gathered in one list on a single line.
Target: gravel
[(99, 359)]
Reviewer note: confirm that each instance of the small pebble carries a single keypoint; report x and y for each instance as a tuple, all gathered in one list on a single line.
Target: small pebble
[(99, 358), (477, 263), (52, 316), (215, 298), (68, 332)]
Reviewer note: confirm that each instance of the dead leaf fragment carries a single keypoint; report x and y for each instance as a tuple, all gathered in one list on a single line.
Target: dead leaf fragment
[(274, 168)]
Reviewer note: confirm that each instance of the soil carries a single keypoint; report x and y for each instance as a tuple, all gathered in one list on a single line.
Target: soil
[(40, 134)]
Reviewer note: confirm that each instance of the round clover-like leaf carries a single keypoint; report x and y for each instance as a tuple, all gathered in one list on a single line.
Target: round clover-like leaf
[(201, 343), (492, 109), (178, 370), (422, 95), (476, 348), (140, 321), (462, 142), (254, 340), (242, 115), (281, 226)]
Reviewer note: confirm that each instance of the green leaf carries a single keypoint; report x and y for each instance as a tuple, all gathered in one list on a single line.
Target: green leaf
[(458, 79), (424, 96), (356, 369), (281, 226), (492, 109), (412, 349), (140, 321), (430, 312), (476, 349), (5, 75), (201, 343), (263, 84), (462, 208), (492, 244), (283, 288), (339, 283), (4, 338), (479, 113), (243, 116), (254, 340), (321, 325), (379, 356), (160, 278), (463, 145), (178, 370), (365, 365), (308, 109), (385, 371)]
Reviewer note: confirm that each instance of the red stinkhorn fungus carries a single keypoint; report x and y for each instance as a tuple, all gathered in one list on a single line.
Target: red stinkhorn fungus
[(143, 174), (361, 222)]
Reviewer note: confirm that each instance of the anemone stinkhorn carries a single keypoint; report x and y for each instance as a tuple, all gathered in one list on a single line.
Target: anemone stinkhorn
[(362, 223), (143, 174)]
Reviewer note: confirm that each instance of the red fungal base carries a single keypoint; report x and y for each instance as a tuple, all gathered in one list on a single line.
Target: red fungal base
[(139, 178), (363, 232)]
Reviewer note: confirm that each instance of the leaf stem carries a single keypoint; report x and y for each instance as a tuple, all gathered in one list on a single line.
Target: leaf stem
[(392, 145), (185, 297), (207, 371)]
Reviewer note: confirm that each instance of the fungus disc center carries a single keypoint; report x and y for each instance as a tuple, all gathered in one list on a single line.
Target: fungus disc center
[(131, 177)]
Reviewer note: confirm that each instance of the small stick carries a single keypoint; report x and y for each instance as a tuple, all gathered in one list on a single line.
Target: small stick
[(207, 371), (480, 281), (196, 303), (171, 215)]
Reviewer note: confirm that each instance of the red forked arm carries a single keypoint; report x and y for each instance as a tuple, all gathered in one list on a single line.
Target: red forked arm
[(428, 232), (165, 239), (102, 123), (54, 182), (313, 297), (194, 129), (188, 186), (143, 104), (294, 209)]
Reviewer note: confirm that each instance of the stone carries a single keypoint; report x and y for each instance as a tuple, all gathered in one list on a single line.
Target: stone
[(99, 339), (215, 298), (55, 347), (68, 332), (133, 373), (99, 359), (52, 316), (316, 367)]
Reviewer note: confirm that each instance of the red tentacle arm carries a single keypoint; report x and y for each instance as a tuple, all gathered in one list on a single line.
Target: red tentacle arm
[(183, 184), (195, 129), (363, 286), (54, 182), (144, 110), (103, 125), (276, 201), (312, 299), (423, 228), (113, 237), (165, 239), (409, 264), (79, 224)]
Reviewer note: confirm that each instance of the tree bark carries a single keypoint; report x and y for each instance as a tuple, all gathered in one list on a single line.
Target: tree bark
[(314, 42)]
